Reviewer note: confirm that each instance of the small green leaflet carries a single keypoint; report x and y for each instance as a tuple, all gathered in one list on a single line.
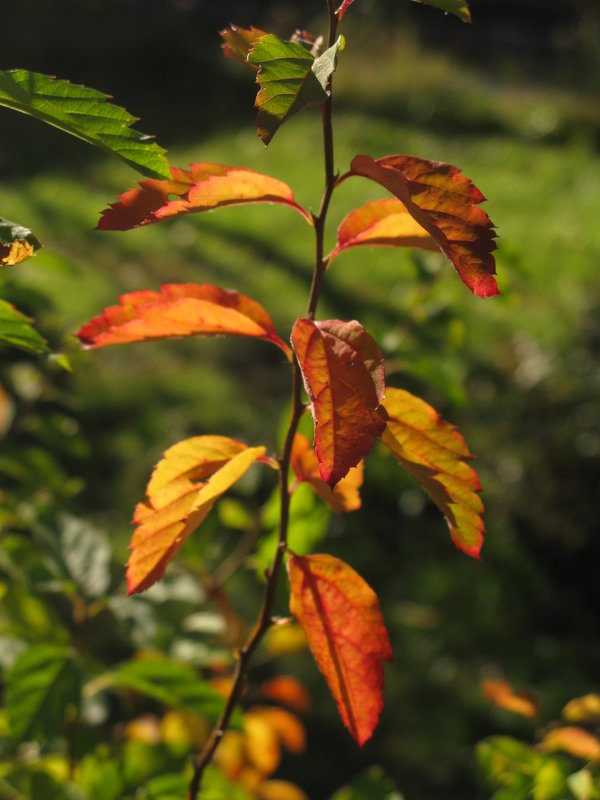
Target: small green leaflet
[(84, 113), (43, 682), (290, 79), (16, 329), (457, 7), (13, 232)]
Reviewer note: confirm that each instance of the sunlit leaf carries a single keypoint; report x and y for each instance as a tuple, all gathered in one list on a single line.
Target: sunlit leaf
[(457, 7), (262, 744), (16, 329), (186, 309), (43, 682), (576, 741), (288, 728), (382, 222), (204, 187), (183, 488), (237, 42), (288, 690), (86, 553), (169, 682), (290, 79), (345, 495), (501, 694), (583, 710), (343, 374), (84, 113), (280, 790), (17, 243), (446, 205), (434, 453), (340, 615)]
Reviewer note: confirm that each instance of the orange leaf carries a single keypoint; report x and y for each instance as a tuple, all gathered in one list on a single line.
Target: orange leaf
[(575, 741), (14, 253), (205, 186), (382, 222), (501, 694), (340, 615), (289, 729), (446, 205), (343, 374), (180, 309), (434, 453), (279, 790), (287, 690), (183, 488), (237, 42), (262, 743), (344, 496)]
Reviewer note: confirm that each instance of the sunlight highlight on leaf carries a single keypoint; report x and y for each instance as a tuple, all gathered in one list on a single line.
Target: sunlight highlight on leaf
[(180, 309), (345, 495), (339, 612), (204, 187), (434, 453), (183, 488), (237, 42)]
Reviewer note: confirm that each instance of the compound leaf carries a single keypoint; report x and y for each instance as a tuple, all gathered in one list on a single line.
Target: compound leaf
[(345, 495), (459, 8), (435, 454), (204, 187), (84, 113), (16, 329), (290, 79), (381, 222), (183, 488), (340, 615), (186, 309), (42, 683), (446, 205), (343, 374)]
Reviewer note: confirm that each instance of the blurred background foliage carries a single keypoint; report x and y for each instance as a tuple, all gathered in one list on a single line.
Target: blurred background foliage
[(513, 101)]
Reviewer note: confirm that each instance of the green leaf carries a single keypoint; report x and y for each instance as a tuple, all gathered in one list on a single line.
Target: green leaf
[(169, 682), (13, 232), (290, 78), (457, 7), (43, 682), (16, 329), (84, 113)]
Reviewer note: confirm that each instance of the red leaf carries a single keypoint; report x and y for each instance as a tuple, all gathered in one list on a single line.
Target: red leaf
[(340, 615), (345, 495), (446, 204), (180, 309), (205, 186), (237, 42), (183, 488), (382, 222), (434, 453), (343, 373)]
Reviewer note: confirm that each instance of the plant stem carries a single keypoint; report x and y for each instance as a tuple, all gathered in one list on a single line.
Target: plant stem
[(264, 620)]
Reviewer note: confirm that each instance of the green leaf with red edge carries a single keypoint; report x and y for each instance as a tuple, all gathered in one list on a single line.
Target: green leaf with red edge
[(290, 79), (340, 615), (459, 8), (237, 42), (180, 309), (183, 488), (434, 453), (343, 374), (381, 222), (345, 495), (446, 203), (204, 187)]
